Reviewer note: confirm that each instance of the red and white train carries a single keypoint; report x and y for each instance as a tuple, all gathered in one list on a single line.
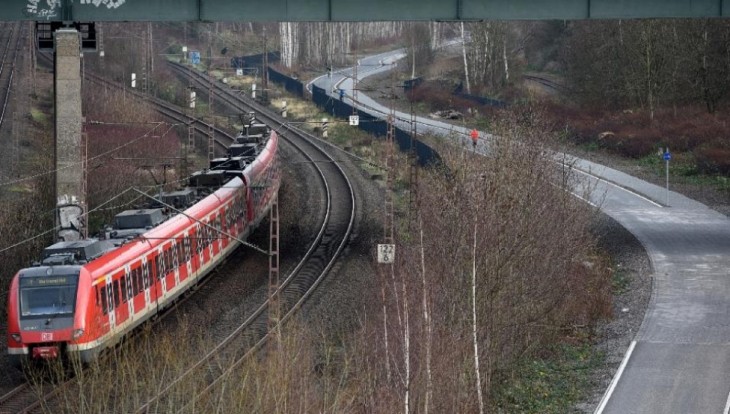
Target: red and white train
[(84, 296)]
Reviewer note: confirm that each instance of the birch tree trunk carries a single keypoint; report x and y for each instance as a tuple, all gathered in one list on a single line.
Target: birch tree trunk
[(474, 318), (406, 346), (426, 322), (466, 64), (504, 57), (385, 328)]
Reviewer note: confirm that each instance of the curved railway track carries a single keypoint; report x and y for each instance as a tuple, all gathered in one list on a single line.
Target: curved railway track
[(548, 83), (296, 288), (7, 67), (335, 230)]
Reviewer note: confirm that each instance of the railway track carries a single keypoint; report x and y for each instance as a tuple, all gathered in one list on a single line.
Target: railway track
[(7, 66), (173, 112), (17, 399), (548, 83), (337, 224)]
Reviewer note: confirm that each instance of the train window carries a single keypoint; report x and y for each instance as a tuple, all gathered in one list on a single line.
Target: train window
[(146, 275), (138, 275), (116, 293), (154, 268), (241, 206), (161, 265), (198, 241), (123, 288), (173, 255), (166, 259), (187, 248), (181, 249), (135, 286), (133, 283), (104, 304)]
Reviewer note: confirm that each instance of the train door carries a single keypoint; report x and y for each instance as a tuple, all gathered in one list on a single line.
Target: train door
[(212, 234), (121, 311), (161, 271), (175, 261), (154, 288), (219, 229), (188, 254), (145, 268), (199, 244), (227, 224), (130, 292), (110, 302)]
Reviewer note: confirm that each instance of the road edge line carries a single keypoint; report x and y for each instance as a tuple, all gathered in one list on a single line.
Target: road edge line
[(616, 378)]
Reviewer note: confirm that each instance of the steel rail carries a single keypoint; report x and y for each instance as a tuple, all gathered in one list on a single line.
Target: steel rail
[(307, 275), (16, 32)]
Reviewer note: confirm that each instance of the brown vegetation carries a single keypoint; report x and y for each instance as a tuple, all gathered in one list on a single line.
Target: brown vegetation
[(498, 251), (128, 147)]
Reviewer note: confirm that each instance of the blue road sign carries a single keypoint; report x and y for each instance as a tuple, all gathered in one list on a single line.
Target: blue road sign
[(667, 156), (195, 57)]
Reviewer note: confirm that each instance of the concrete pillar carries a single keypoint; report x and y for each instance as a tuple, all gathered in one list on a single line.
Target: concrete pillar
[(69, 176)]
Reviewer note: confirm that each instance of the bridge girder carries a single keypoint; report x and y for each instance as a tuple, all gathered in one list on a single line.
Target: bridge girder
[(355, 10)]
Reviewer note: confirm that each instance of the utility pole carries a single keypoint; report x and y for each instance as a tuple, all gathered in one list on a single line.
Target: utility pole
[(667, 156), (413, 158), (211, 128), (274, 306), (84, 176), (190, 147), (32, 59), (265, 74), (354, 85)]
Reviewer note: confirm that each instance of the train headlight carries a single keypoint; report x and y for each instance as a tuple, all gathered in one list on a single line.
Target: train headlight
[(16, 337), (77, 333)]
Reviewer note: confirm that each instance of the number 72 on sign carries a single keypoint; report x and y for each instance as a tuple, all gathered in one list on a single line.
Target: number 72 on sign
[(386, 253)]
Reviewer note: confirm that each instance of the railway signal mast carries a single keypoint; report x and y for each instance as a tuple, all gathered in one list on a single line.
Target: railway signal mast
[(413, 155), (211, 128), (274, 306), (190, 147)]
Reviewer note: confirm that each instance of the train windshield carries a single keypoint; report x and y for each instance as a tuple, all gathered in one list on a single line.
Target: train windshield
[(47, 295)]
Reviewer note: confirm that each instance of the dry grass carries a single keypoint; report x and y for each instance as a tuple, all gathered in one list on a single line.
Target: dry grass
[(538, 279)]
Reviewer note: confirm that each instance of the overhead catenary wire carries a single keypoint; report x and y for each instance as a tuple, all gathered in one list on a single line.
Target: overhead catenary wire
[(148, 134), (258, 249), (56, 228)]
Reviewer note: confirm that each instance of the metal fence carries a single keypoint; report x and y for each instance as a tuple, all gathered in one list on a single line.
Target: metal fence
[(294, 86), (378, 127)]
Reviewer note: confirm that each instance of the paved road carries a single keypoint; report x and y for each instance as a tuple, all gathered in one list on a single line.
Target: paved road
[(679, 361)]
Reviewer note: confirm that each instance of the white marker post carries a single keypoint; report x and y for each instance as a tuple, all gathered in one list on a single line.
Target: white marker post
[(134, 80), (667, 156)]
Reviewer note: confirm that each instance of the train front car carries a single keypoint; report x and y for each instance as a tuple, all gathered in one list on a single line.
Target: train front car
[(45, 312), (49, 305)]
